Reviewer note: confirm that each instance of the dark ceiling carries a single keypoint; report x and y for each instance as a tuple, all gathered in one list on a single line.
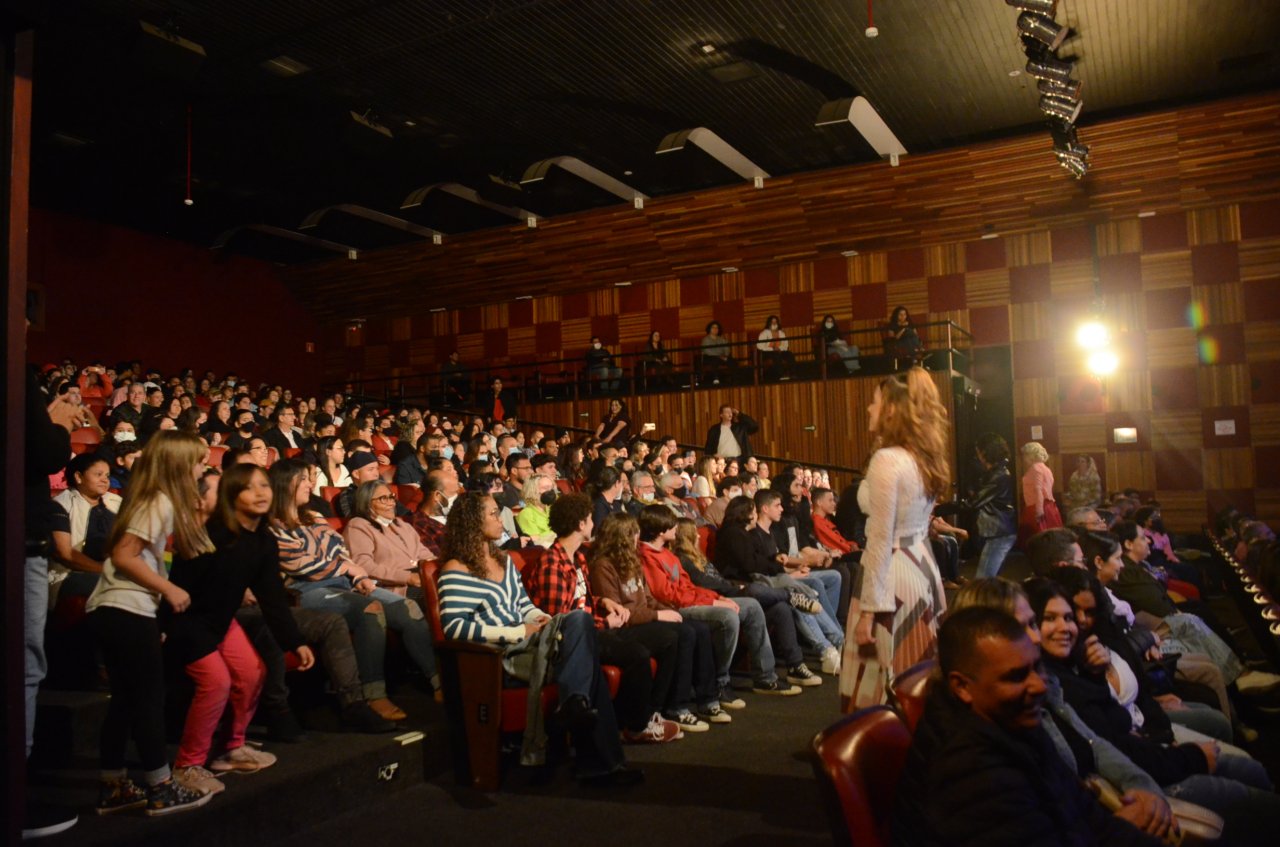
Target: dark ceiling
[(475, 91)]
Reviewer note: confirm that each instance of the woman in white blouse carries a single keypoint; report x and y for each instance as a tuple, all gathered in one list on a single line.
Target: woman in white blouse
[(774, 350), (896, 622)]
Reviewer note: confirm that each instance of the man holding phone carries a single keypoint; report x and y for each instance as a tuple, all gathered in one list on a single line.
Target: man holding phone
[(730, 438)]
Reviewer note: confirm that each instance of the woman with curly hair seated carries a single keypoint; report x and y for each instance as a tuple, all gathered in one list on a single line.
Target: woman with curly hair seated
[(482, 599)]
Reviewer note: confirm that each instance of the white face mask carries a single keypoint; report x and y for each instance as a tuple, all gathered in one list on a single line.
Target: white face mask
[(596, 345), (126, 436), (445, 452), (829, 324), (384, 522)]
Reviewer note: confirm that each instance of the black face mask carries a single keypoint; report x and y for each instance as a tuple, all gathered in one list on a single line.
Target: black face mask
[(548, 497), (681, 492)]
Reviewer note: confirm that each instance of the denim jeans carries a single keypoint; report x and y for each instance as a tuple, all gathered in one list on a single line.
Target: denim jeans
[(607, 377), (1203, 719), (1241, 792), (994, 551), (847, 353), (724, 635), (822, 630), (752, 627), (598, 750), (35, 613)]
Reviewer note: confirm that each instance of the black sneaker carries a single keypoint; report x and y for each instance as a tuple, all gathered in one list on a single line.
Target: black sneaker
[(358, 717), (783, 689), (169, 798), (801, 675), (120, 795), (575, 713), (42, 820)]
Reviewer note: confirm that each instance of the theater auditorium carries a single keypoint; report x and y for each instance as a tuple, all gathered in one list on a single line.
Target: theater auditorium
[(680, 421)]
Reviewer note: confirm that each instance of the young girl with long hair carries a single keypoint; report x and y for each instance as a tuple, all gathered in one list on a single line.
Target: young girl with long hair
[(161, 501), (896, 622), (209, 643)]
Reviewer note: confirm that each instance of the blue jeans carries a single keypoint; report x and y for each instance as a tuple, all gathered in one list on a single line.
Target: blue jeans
[(598, 750), (724, 635), (35, 613), (368, 635), (821, 630), (1203, 719), (1241, 792), (607, 377), (993, 554), (756, 635)]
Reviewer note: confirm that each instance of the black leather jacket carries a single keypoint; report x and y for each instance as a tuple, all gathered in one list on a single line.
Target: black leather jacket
[(996, 514)]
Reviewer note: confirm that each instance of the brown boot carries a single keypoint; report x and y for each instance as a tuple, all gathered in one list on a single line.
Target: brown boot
[(387, 710)]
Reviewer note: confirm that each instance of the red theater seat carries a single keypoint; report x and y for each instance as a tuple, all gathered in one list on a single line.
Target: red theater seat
[(857, 762), (909, 690)]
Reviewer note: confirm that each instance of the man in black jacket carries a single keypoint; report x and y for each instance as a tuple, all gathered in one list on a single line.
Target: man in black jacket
[(981, 769), (731, 437)]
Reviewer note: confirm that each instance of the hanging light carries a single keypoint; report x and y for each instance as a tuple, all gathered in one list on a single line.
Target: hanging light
[(1043, 29), (1075, 167), (1103, 362), (1061, 87), (1093, 335), (1064, 108), (1044, 7), (1050, 67)]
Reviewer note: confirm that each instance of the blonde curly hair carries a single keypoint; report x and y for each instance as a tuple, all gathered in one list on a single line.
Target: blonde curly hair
[(1034, 451)]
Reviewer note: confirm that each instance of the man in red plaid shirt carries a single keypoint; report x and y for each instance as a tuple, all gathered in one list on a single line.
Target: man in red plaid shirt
[(558, 583)]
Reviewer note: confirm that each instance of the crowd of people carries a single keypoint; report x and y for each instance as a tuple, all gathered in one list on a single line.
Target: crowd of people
[(300, 526), (214, 528)]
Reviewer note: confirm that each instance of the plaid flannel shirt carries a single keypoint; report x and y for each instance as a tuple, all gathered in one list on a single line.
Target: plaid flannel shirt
[(557, 584)]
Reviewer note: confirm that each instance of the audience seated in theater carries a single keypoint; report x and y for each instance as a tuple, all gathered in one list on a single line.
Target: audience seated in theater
[(412, 469), (901, 340), (363, 467), (727, 488), (134, 408), (981, 768), (833, 342), (674, 490), (123, 455), (81, 527), (715, 352), (245, 424), (429, 518), (607, 498), (67, 409), (774, 350), (318, 566), (704, 480), (518, 470), (793, 533), (491, 484), (330, 454), (601, 369), (534, 520), (1235, 787), (482, 599), (95, 383), (656, 363), (281, 434)]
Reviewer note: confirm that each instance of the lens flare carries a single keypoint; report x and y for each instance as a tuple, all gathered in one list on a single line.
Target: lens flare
[(1196, 316), (1103, 362), (1092, 335), (1208, 350)]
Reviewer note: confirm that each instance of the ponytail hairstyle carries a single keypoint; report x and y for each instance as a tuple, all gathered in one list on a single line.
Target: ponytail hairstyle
[(913, 417)]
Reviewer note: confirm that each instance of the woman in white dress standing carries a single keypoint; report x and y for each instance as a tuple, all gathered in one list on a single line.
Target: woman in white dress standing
[(895, 624)]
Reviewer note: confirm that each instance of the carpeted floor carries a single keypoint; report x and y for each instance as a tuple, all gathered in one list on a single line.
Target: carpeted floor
[(745, 783)]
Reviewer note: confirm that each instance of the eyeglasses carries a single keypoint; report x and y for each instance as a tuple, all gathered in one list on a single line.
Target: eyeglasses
[(383, 498)]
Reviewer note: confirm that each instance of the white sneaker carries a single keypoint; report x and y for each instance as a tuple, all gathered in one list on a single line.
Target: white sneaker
[(1254, 683), (831, 660), (199, 780)]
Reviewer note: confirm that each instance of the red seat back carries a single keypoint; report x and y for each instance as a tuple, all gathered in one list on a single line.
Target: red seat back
[(909, 688), (338, 524), (409, 496), (857, 762), (86, 435)]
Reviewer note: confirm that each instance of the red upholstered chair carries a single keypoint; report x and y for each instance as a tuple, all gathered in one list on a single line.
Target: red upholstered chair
[(480, 708), (857, 762), (273, 456), (909, 690), (707, 541), (85, 438), (292, 452), (408, 495), (565, 486), (215, 455), (339, 524), (330, 495)]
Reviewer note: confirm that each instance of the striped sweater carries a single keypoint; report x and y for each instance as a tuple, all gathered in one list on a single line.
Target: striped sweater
[(309, 553), (477, 609)]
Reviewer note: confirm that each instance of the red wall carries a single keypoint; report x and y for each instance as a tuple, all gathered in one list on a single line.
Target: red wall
[(114, 294)]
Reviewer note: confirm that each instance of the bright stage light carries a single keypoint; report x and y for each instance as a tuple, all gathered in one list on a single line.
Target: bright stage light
[(1092, 335), (1103, 362)]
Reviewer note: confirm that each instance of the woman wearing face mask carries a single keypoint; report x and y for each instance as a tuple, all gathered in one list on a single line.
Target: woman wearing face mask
[(534, 520), (832, 340), (774, 350)]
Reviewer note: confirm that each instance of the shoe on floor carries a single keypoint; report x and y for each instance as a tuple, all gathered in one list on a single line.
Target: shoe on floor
[(574, 713), (42, 820), (714, 714), (659, 731), (169, 797), (801, 675), (359, 717), (730, 700), (804, 603), (387, 710), (1256, 683), (120, 795), (783, 689), (243, 759), (831, 660), (620, 777), (688, 721), (198, 779)]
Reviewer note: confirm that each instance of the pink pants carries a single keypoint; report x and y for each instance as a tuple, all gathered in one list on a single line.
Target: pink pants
[(232, 674)]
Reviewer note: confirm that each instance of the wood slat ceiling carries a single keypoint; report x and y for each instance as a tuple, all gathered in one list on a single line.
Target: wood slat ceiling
[(495, 85)]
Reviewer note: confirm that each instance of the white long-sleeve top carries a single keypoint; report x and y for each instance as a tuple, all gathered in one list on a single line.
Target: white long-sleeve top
[(769, 335), (893, 499)]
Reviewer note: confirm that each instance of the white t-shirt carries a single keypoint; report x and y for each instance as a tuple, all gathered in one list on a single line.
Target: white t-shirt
[(702, 488), (728, 445), (153, 524)]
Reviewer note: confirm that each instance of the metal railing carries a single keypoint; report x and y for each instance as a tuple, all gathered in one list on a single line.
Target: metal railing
[(946, 346)]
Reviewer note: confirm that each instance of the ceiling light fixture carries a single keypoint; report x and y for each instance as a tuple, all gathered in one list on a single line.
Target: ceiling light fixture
[(284, 66), (729, 269), (1060, 87), (1058, 106), (707, 47), (848, 253), (1043, 29), (1044, 7), (370, 120), (1050, 67)]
